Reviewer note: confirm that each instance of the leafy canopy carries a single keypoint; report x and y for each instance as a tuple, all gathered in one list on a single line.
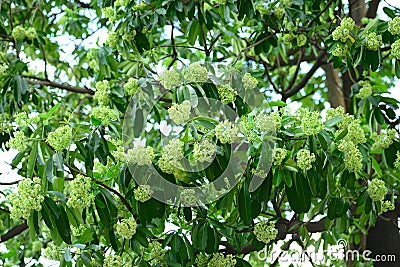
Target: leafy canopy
[(81, 80)]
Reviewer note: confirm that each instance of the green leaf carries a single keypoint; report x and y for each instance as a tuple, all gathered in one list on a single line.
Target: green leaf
[(63, 225), (102, 210), (337, 207), (200, 236), (245, 205), (379, 116), (58, 184), (142, 43), (333, 121), (86, 237), (397, 68), (277, 178), (342, 134), (32, 161), (299, 195), (389, 12)]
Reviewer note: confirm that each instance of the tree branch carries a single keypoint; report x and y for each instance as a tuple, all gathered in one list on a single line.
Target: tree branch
[(14, 232), (250, 46), (61, 86), (292, 91), (373, 8)]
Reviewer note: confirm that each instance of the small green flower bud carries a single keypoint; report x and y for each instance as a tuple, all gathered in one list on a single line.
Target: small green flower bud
[(377, 190), (61, 138), (304, 159), (18, 32), (126, 228), (265, 231)]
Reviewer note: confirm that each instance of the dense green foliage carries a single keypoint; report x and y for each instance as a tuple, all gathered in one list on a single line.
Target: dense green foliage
[(85, 197)]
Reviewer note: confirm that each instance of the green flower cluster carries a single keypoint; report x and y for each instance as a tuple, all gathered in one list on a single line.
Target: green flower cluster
[(102, 94), (383, 140), (249, 82), (286, 3), (396, 49), (301, 40), (373, 41), (265, 231), (342, 32), (31, 33), (26, 199), (21, 119), (3, 69), (157, 252), (340, 50), (334, 112), (279, 12), (387, 206), (226, 93), (141, 6), (279, 154), (37, 246), (204, 151), (81, 195), (118, 154), (260, 7), (170, 79), (304, 159), (78, 230), (131, 87), (122, 209), (140, 155), (51, 252), (171, 154), (226, 132), (394, 26), (268, 123), (188, 197), (247, 125), (61, 138), (112, 39), (18, 141), (195, 73), (352, 156), (109, 13), (377, 190), (129, 36), (112, 261), (365, 90), (120, 3), (126, 228), (397, 162), (355, 133), (219, 260), (310, 122), (143, 193), (202, 260), (18, 32), (105, 114), (180, 113)]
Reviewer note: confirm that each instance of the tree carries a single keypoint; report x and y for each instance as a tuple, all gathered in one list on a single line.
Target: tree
[(173, 119)]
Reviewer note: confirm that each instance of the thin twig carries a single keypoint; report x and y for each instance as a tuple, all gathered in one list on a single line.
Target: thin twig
[(250, 46), (62, 86)]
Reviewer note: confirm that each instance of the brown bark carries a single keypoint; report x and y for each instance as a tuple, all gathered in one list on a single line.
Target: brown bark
[(335, 90), (384, 238)]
